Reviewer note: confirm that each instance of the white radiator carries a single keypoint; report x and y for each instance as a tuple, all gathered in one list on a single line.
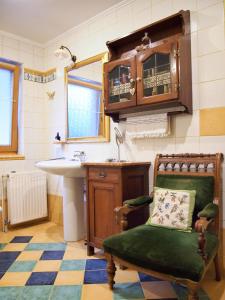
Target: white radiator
[(26, 196)]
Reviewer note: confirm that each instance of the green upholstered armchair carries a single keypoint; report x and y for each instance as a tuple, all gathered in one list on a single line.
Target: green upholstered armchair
[(169, 254)]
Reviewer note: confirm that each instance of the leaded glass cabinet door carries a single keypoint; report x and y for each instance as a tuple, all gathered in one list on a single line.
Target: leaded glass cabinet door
[(120, 84), (157, 74)]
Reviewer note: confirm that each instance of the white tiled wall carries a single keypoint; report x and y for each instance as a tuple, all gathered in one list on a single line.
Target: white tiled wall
[(89, 38)]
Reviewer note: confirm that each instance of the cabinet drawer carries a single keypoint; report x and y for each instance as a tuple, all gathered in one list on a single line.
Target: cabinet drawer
[(104, 174)]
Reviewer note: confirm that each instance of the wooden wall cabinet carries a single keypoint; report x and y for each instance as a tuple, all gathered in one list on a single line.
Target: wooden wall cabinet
[(150, 69), (108, 186)]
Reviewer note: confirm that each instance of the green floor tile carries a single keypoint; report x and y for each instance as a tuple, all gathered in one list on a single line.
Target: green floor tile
[(2, 246), (38, 292), (46, 246), (73, 265), (22, 266), (123, 291), (68, 292), (10, 293)]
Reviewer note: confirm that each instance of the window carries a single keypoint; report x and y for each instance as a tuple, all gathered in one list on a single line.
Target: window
[(9, 81), (84, 105), (86, 120)]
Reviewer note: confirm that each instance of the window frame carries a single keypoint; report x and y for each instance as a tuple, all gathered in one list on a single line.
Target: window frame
[(104, 134), (13, 147)]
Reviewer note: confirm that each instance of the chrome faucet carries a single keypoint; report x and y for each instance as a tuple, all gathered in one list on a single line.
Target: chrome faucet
[(79, 156)]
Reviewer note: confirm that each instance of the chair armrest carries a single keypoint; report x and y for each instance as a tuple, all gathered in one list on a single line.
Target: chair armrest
[(209, 211), (132, 205), (139, 201), (206, 216)]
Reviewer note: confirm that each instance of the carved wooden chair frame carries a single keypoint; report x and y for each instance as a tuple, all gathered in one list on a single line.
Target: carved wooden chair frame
[(181, 164)]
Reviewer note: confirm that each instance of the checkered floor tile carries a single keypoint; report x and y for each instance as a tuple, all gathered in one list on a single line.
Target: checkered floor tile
[(63, 271)]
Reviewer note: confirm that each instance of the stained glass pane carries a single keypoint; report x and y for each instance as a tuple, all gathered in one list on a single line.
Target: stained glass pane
[(6, 104), (156, 75), (83, 111), (119, 84)]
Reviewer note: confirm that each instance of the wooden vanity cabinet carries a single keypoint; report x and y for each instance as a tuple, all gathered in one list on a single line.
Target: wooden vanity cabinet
[(150, 69), (108, 186)]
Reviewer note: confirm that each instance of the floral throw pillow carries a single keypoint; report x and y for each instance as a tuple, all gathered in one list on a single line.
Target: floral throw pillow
[(172, 208)]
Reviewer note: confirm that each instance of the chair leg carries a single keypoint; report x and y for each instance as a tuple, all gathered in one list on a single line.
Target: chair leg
[(217, 268), (111, 270), (192, 292)]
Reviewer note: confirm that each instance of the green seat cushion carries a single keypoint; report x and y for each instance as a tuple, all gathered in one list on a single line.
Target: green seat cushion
[(163, 250), (203, 185)]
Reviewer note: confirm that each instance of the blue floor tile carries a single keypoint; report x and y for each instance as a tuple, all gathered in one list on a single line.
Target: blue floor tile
[(10, 293), (128, 291), (5, 264), (22, 266), (66, 292), (38, 292), (21, 239), (95, 264), (46, 246), (52, 255), (73, 265), (144, 277), (98, 276), (42, 278), (9, 255)]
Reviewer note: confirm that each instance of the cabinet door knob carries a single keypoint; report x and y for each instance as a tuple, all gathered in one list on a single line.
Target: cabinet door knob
[(138, 78)]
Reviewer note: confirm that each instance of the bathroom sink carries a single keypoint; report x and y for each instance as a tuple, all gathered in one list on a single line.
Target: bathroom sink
[(73, 194), (63, 167)]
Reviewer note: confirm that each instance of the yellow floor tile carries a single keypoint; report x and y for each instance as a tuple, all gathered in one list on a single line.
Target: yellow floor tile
[(15, 278), (15, 247), (76, 254), (96, 291), (126, 276), (6, 237), (30, 255), (74, 245), (47, 266), (47, 238), (69, 278)]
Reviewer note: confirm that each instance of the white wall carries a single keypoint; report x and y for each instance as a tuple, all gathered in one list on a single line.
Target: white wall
[(88, 39)]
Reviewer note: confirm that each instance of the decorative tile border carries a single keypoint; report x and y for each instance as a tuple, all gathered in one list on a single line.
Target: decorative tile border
[(38, 76)]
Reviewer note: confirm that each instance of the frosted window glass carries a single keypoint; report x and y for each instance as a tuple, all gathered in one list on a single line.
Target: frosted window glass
[(83, 111), (6, 103)]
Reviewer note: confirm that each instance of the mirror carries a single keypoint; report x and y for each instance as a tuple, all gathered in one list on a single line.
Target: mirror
[(85, 110)]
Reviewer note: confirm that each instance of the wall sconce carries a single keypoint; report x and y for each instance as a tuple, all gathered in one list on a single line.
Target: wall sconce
[(64, 52)]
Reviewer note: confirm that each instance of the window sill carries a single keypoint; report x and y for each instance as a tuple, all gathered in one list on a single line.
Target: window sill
[(11, 156)]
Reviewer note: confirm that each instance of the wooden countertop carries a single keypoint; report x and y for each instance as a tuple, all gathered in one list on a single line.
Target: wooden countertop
[(116, 164)]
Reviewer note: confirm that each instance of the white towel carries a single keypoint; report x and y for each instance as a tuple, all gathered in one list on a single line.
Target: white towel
[(149, 126)]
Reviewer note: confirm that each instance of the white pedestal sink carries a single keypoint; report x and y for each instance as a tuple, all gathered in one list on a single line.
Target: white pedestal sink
[(73, 199)]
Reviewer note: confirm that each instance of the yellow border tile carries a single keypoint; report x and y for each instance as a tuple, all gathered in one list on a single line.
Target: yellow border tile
[(212, 121)]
